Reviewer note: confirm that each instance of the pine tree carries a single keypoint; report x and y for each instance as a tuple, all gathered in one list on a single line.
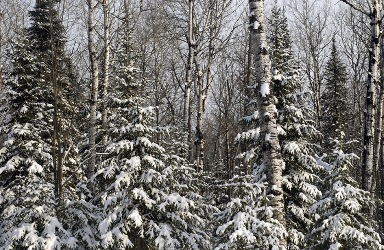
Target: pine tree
[(296, 134), (335, 110), (341, 219)]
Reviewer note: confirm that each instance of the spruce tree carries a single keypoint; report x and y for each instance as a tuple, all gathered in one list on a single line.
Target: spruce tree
[(341, 220), (297, 134), (29, 207), (279, 39), (145, 195), (245, 221), (335, 110)]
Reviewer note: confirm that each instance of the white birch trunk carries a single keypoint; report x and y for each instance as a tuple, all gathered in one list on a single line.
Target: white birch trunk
[(107, 44), (94, 89), (369, 128), (188, 81), (268, 113), (127, 30), (1, 77), (199, 125), (1, 48), (378, 134)]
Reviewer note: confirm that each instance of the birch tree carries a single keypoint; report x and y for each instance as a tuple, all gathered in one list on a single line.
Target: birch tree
[(268, 113), (191, 40), (374, 13), (94, 88), (107, 45)]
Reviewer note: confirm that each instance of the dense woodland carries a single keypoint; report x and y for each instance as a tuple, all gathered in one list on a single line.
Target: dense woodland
[(191, 124)]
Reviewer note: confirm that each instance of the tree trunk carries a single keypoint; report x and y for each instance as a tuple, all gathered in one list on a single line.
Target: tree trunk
[(199, 141), (268, 113), (56, 141), (369, 128), (188, 80), (377, 147), (127, 30), (1, 77), (107, 44), (94, 89), (381, 190), (249, 95), (1, 48)]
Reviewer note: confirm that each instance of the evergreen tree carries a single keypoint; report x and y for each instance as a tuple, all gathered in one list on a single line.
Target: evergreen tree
[(28, 198), (341, 221), (58, 88), (334, 100), (297, 134), (279, 39), (245, 221), (27, 203), (141, 189)]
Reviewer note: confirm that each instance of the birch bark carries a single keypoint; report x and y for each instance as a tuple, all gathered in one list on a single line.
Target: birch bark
[(188, 79), (94, 89), (1, 48), (369, 131), (107, 45), (268, 113), (367, 168)]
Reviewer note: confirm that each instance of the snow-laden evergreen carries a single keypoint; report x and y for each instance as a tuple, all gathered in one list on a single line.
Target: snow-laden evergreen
[(27, 203), (341, 215), (335, 115), (245, 221), (145, 195), (297, 134), (29, 207)]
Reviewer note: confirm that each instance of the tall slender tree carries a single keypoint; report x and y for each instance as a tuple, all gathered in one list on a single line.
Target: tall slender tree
[(334, 119), (267, 114), (94, 88), (296, 133), (374, 14)]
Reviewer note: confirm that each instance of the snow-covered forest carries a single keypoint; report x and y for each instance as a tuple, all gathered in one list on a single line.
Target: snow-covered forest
[(191, 124)]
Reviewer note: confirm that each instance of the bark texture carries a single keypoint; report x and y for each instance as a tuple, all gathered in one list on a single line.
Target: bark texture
[(369, 128), (94, 89), (268, 113), (106, 70), (188, 79), (368, 157)]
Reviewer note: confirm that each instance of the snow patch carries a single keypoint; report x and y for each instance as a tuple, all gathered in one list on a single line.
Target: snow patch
[(267, 137), (264, 89), (136, 217), (256, 25)]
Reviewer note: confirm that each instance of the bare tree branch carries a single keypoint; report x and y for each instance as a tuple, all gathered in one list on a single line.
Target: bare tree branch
[(353, 6)]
